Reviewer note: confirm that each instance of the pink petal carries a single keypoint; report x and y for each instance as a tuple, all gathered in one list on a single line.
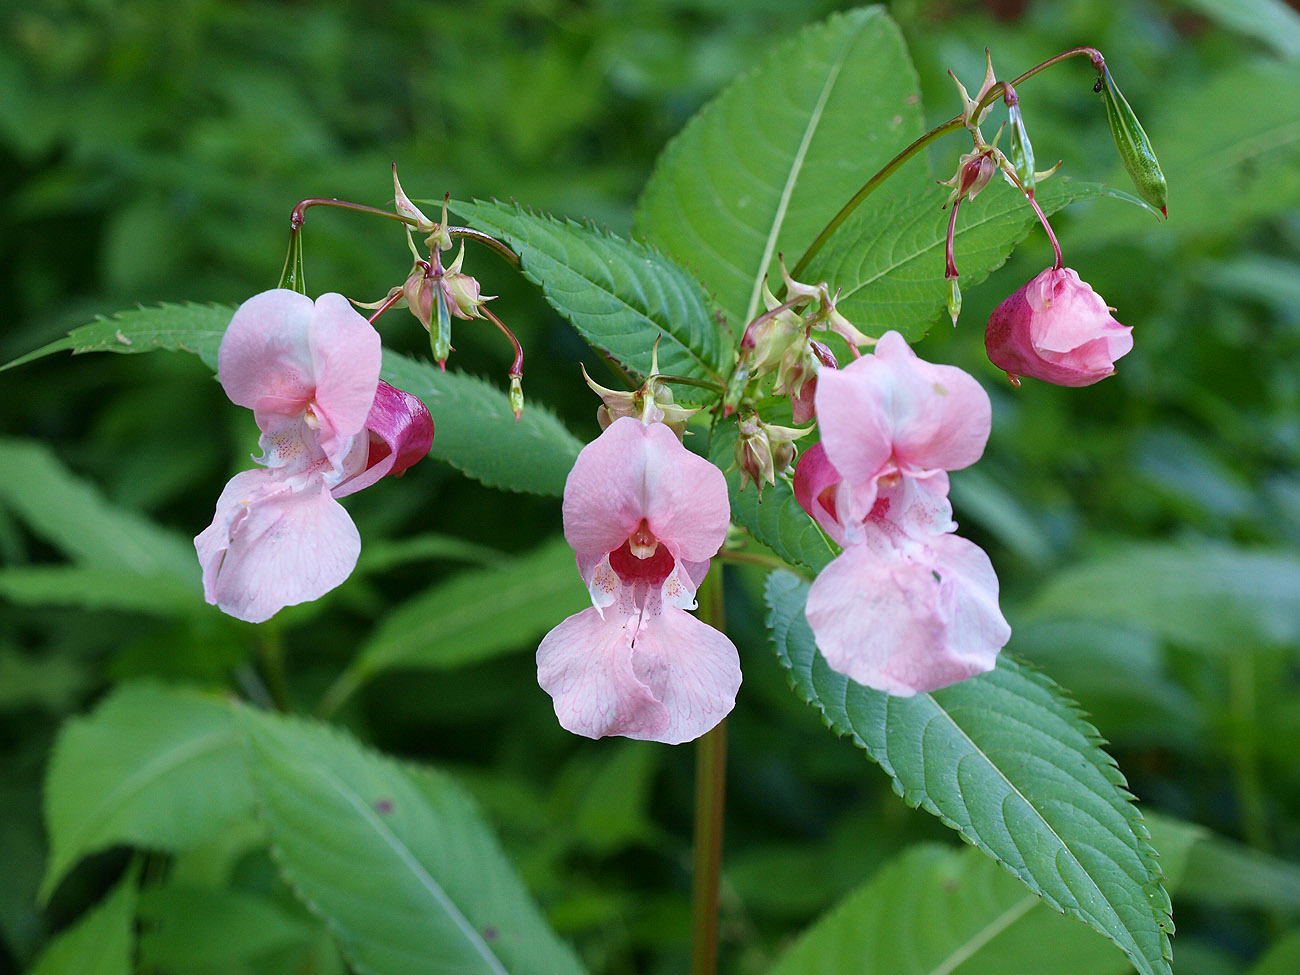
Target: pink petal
[(274, 542), (691, 668), (815, 479), (283, 355), (585, 664), (911, 619), (400, 433), (634, 471), (893, 403)]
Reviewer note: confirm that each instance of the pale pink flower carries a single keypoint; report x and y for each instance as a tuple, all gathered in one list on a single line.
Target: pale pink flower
[(907, 607), (1057, 329), (644, 516), (330, 427)]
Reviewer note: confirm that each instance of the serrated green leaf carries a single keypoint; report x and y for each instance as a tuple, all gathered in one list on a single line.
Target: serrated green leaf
[(72, 515), (177, 328), (396, 859), (153, 767), (476, 431), (766, 165), (620, 295), (1005, 759), (939, 910), (887, 261), (102, 942), (475, 616), (776, 520), (1206, 596)]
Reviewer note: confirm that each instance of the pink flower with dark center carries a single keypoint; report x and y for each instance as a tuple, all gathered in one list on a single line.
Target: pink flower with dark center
[(1057, 329), (330, 427), (907, 607), (644, 516)]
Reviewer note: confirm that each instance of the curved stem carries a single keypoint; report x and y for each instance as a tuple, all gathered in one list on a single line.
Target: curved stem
[(710, 802), (1042, 218), (487, 240), (299, 215), (952, 125), (392, 299)]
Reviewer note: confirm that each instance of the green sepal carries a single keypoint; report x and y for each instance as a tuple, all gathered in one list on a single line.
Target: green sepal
[(293, 277)]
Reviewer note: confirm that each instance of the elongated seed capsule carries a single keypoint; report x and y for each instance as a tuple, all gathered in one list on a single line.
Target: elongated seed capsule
[(1134, 147), (1021, 152)]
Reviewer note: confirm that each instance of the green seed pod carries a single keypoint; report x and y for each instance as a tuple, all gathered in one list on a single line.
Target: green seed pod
[(1133, 145), (1021, 152), (954, 299), (440, 335)]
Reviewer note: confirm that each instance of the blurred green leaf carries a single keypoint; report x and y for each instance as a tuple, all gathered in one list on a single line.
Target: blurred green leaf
[(1283, 958), (620, 295), (887, 260), (154, 767), (1005, 759), (102, 942), (1269, 21), (99, 588), (1206, 596), (934, 909), (776, 519), (1226, 873), (475, 616), (72, 515), (476, 431), (436, 893), (766, 165), (196, 930)]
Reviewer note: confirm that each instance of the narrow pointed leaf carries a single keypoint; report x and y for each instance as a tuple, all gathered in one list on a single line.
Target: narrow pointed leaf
[(766, 165), (620, 295), (1006, 759), (396, 859), (152, 767), (102, 942), (934, 909)]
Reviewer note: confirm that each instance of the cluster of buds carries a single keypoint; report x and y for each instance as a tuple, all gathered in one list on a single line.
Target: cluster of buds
[(780, 343)]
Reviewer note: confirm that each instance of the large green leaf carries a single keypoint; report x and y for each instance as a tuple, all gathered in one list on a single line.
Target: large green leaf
[(939, 910), (1005, 759), (887, 260), (477, 433), (397, 860), (102, 942), (775, 518), (1207, 596), (620, 295), (476, 429), (471, 617), (151, 767), (763, 168)]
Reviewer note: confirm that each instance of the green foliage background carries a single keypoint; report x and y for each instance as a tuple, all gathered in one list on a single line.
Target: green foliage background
[(1145, 530)]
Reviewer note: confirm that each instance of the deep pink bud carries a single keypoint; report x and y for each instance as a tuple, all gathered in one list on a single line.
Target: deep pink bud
[(1057, 329)]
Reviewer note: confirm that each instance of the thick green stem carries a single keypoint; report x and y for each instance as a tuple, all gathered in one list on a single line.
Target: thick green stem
[(1245, 751), (710, 803)]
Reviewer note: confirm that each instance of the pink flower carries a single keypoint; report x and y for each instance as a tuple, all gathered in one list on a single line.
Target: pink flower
[(907, 607), (1056, 328), (644, 516), (310, 373)]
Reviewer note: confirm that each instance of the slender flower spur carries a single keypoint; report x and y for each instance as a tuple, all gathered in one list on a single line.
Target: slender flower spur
[(1057, 329), (644, 516), (330, 427), (907, 607)]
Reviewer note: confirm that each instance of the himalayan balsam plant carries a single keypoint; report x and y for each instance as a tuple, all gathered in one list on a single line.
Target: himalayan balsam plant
[(790, 253)]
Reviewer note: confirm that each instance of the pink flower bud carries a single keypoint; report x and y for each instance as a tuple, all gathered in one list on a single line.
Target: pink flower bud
[(1057, 329)]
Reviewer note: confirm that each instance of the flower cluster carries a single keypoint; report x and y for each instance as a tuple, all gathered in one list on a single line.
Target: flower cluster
[(309, 371), (644, 516), (907, 607)]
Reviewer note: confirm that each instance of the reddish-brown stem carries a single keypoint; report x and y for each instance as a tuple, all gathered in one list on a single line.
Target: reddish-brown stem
[(392, 299), (517, 368), (951, 271)]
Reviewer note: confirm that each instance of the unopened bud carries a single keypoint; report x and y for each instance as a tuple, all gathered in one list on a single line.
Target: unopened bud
[(1134, 147), (440, 337), (418, 292), (954, 299), (517, 395)]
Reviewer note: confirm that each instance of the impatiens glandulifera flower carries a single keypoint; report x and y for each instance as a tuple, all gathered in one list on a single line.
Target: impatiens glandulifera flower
[(644, 516), (330, 427), (907, 607), (1057, 329)]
